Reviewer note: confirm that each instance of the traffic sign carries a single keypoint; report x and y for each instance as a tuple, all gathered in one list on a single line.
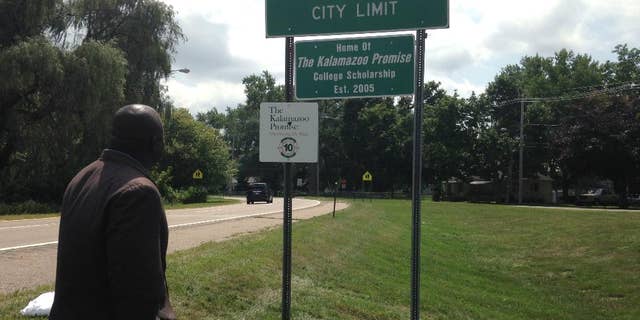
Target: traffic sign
[(288, 132), (198, 174), (367, 177), (316, 17), (355, 67)]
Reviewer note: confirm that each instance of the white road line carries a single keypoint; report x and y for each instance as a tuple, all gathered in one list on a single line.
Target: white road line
[(28, 226), (33, 219), (28, 246), (315, 203)]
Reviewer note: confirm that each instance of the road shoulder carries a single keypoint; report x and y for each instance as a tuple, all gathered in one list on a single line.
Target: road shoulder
[(32, 267), (185, 238)]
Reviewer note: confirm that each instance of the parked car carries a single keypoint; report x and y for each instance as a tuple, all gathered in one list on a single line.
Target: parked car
[(633, 199), (597, 196), (259, 192)]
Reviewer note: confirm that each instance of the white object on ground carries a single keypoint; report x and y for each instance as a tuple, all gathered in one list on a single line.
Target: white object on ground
[(39, 306)]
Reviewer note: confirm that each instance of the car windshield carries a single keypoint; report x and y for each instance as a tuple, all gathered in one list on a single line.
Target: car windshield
[(258, 187)]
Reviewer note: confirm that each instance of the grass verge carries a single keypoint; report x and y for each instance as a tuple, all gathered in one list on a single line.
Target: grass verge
[(212, 201), (22, 216), (479, 262)]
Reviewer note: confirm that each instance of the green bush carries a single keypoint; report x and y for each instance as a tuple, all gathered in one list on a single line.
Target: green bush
[(163, 180), (29, 206), (193, 195)]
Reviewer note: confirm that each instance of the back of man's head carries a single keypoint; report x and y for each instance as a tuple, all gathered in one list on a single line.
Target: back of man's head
[(137, 131)]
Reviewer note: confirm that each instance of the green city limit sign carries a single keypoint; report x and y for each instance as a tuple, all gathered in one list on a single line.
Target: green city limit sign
[(354, 67), (317, 17)]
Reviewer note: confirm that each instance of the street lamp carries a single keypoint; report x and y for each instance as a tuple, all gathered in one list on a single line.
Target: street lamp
[(183, 70)]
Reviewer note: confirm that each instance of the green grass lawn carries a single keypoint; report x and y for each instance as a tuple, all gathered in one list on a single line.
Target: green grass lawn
[(479, 262), (21, 216), (212, 201)]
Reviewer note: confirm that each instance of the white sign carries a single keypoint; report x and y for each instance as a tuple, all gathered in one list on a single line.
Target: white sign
[(288, 132)]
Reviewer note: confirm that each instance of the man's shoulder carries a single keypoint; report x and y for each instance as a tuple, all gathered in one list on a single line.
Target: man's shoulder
[(137, 192), (140, 184), (139, 187), (85, 174)]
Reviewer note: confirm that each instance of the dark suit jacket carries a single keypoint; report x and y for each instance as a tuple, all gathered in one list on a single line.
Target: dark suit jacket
[(112, 243)]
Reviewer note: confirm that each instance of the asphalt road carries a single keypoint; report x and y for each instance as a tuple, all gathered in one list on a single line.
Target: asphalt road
[(23, 234), (28, 247)]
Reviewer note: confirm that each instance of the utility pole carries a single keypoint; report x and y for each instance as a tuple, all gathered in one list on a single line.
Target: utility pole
[(521, 142)]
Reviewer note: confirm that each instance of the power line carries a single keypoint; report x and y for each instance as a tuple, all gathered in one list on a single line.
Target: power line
[(600, 85), (582, 95), (606, 91)]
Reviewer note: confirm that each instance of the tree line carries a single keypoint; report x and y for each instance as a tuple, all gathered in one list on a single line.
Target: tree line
[(581, 125), (66, 67)]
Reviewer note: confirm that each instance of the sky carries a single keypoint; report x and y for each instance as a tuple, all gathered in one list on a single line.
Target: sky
[(226, 42)]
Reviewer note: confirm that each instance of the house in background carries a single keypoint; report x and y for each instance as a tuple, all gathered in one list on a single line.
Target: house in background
[(538, 190), (534, 190), (454, 190)]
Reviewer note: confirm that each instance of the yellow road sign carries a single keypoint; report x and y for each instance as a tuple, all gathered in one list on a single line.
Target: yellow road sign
[(367, 176), (197, 174)]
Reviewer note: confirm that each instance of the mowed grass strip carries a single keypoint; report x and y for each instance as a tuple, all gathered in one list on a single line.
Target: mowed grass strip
[(212, 201), (479, 262)]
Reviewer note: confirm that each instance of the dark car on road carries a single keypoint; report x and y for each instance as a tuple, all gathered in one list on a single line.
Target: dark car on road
[(259, 192), (598, 196), (633, 199)]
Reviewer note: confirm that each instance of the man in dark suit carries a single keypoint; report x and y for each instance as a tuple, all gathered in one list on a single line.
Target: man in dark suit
[(113, 230)]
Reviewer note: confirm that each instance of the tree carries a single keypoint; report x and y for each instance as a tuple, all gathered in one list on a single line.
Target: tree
[(192, 145), (627, 68), (447, 140), (55, 113), (564, 74), (384, 144), (212, 118), (145, 30), (58, 96), (20, 20), (571, 137), (603, 141), (242, 128)]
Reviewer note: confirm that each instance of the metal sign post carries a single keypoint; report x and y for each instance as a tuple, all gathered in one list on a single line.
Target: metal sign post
[(288, 134), (289, 18), (417, 176), (288, 206)]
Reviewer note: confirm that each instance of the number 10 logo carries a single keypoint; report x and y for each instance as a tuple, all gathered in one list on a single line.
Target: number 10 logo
[(288, 147)]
